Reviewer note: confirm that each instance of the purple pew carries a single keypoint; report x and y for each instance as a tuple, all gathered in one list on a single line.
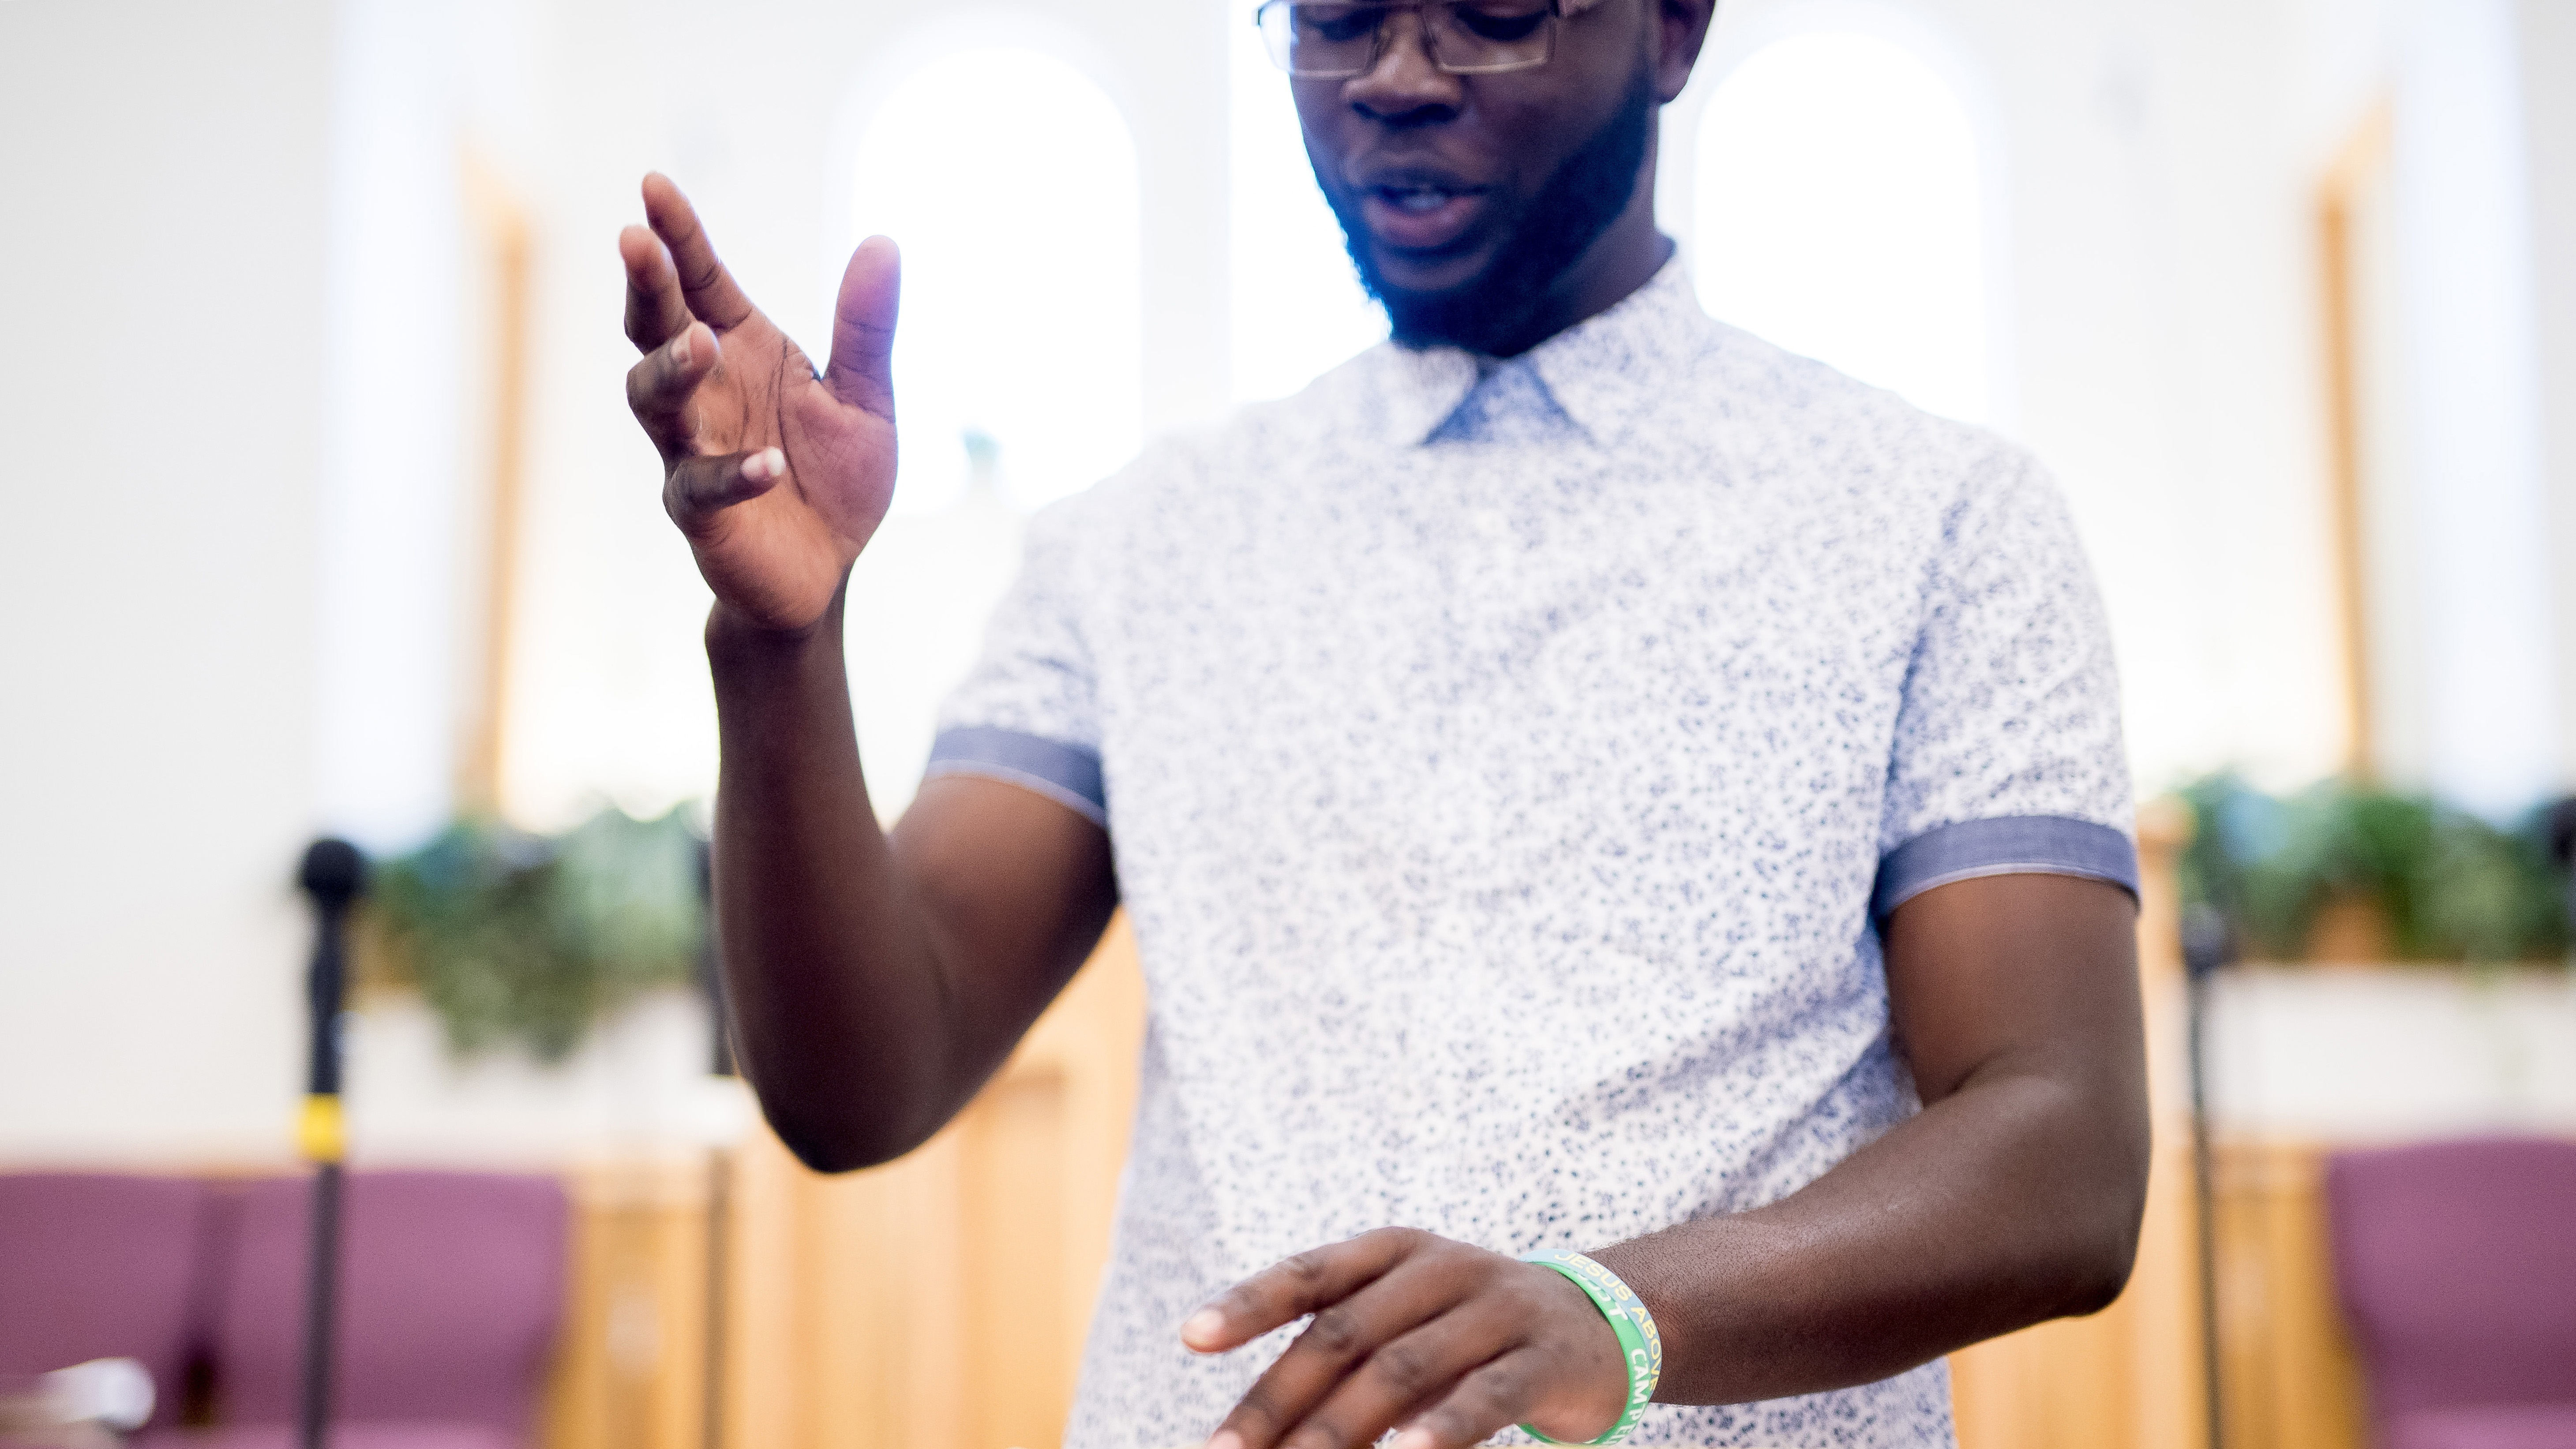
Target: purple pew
[(101, 1265), (451, 1287), (2457, 1266)]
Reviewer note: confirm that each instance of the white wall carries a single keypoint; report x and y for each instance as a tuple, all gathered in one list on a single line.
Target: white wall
[(2472, 502), (638, 1086), (612, 681), (2548, 38), (2154, 292), (2333, 1054), (396, 568), (165, 167)]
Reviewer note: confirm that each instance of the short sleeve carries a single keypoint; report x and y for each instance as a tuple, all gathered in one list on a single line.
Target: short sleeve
[(2007, 755), (1027, 714)]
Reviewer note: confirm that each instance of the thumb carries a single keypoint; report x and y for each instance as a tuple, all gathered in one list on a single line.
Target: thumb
[(862, 369)]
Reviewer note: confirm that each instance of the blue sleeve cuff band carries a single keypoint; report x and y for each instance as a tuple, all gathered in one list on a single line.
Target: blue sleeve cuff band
[(2010, 845), (1067, 774)]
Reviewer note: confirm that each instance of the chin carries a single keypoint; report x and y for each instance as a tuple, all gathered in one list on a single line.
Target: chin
[(1429, 280), (1470, 317)]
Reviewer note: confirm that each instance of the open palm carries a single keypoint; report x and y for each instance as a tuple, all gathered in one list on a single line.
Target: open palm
[(777, 475)]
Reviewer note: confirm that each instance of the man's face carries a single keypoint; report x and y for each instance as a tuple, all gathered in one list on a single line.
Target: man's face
[(1463, 198)]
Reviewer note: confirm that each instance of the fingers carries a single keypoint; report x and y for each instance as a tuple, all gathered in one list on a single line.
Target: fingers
[(1330, 1390), (661, 388), (655, 310), (1485, 1403), (1290, 1290), (1394, 1377), (705, 285), (862, 368), (695, 490), (1407, 1324)]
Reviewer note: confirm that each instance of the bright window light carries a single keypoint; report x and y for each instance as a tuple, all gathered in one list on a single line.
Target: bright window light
[(1298, 305), (1022, 305), (1840, 216)]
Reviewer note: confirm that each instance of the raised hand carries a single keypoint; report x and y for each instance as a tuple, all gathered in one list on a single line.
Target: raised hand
[(778, 477)]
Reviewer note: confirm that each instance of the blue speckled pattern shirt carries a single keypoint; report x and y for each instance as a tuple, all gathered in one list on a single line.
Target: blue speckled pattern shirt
[(1507, 765)]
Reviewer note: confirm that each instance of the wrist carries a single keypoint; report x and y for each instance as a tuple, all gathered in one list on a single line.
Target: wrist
[(734, 635), (1635, 1353), (1589, 1409)]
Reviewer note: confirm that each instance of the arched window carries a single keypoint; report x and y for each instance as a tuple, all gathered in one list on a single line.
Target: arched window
[(1021, 343), (1298, 307), (1841, 213)]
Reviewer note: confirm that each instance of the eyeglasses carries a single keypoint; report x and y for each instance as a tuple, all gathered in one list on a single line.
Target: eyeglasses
[(1463, 37)]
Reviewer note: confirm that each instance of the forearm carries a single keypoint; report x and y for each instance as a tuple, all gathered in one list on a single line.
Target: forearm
[(2014, 1199), (842, 1018)]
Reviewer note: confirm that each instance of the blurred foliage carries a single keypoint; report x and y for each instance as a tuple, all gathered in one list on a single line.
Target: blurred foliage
[(522, 939), (2448, 885)]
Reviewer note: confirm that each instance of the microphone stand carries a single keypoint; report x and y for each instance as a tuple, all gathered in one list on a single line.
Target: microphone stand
[(2562, 854), (2207, 945), (333, 875)]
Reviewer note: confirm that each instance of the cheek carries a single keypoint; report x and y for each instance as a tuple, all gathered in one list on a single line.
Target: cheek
[(1323, 122), (1534, 130)]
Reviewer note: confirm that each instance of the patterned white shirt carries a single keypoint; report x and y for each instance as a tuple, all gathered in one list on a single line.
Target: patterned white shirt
[(1507, 765)]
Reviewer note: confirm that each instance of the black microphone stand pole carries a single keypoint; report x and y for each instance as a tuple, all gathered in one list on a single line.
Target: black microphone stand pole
[(2206, 946), (2561, 822), (333, 875)]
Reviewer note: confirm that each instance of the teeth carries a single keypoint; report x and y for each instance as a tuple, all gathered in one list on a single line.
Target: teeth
[(1417, 199)]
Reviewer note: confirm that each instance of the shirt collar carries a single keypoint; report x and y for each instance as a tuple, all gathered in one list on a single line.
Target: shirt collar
[(1604, 371)]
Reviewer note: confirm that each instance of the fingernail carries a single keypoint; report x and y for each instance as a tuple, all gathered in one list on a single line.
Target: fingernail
[(1205, 1324), (1225, 1439), (764, 465), (1414, 1439)]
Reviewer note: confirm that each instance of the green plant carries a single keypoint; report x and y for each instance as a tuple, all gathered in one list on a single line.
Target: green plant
[(2450, 886), (516, 938)]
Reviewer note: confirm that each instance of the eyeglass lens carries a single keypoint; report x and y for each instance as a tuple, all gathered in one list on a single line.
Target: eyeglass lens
[(1465, 36)]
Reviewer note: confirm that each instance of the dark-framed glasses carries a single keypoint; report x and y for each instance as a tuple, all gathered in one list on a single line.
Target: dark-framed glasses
[(1464, 37)]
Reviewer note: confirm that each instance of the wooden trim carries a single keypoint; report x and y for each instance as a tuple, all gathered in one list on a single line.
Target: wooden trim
[(2292, 1381), (499, 231), (2362, 163)]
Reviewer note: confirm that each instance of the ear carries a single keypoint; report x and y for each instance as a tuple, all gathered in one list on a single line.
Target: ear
[(1680, 29)]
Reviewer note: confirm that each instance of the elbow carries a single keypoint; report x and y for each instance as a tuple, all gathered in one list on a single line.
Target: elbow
[(832, 1153), (2073, 1270), (2095, 1259), (832, 1144), (2098, 1273), (827, 1154), (840, 1122), (2101, 1209)]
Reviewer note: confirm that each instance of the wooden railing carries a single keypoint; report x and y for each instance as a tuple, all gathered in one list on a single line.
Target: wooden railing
[(935, 1303)]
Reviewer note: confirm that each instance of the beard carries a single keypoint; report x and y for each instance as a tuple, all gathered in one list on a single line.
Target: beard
[(1570, 212)]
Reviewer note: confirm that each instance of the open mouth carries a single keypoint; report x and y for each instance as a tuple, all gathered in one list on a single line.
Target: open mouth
[(1418, 214), (1418, 200)]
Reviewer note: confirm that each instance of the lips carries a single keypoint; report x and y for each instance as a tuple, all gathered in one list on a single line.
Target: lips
[(1418, 214)]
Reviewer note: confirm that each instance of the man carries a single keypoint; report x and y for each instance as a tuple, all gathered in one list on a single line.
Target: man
[(1581, 778)]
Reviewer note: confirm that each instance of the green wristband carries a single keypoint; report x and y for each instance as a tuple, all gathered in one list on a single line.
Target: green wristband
[(1639, 1344)]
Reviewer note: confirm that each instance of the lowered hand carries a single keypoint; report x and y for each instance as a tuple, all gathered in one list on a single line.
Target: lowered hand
[(1449, 1342)]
